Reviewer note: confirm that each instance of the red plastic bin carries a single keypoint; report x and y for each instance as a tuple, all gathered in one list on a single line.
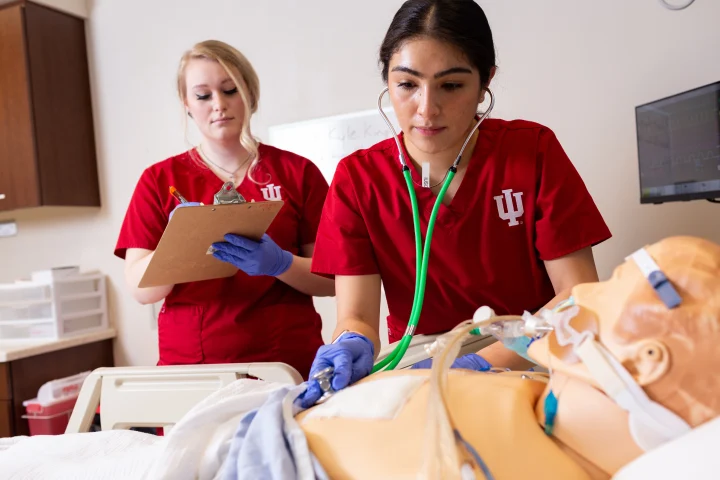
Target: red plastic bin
[(49, 419)]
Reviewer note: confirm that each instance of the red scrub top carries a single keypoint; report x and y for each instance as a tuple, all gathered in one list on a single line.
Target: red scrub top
[(240, 318), (521, 202)]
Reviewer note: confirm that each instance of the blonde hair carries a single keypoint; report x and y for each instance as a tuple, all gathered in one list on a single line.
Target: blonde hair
[(242, 73)]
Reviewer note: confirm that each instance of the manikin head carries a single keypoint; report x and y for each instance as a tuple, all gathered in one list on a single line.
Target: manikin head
[(668, 354), (672, 353)]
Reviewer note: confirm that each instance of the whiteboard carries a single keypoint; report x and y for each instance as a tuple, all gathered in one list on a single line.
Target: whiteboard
[(326, 141)]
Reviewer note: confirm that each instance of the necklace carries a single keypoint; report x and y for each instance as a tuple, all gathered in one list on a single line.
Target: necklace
[(231, 175)]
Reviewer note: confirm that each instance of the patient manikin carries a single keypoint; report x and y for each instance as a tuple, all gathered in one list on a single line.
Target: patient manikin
[(386, 426)]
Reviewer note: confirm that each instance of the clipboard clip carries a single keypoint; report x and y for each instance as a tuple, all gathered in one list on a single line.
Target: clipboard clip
[(228, 194)]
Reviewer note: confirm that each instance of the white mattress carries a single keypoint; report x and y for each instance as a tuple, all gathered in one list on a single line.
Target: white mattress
[(194, 449), (692, 456), (111, 455)]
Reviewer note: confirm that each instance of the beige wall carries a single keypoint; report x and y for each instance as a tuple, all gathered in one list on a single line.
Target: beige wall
[(579, 67)]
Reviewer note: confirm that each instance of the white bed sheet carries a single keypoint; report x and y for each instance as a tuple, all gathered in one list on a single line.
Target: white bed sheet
[(111, 455), (194, 449)]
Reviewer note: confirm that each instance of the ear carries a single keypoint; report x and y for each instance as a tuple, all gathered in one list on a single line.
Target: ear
[(493, 71), (649, 363), (481, 98)]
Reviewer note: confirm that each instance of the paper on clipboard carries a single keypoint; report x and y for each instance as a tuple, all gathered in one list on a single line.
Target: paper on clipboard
[(181, 255)]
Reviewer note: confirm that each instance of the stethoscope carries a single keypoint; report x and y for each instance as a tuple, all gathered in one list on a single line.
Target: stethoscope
[(422, 256)]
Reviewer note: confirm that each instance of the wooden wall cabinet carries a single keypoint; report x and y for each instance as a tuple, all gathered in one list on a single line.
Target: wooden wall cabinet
[(47, 145)]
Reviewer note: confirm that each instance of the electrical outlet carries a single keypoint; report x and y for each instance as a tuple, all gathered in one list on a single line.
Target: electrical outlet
[(8, 228)]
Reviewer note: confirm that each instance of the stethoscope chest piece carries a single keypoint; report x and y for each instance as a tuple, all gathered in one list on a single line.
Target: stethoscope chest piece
[(324, 378)]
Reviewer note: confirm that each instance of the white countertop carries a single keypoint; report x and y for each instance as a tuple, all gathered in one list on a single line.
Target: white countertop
[(16, 349)]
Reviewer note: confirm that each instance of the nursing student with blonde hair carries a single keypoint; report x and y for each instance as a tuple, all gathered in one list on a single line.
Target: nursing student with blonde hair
[(265, 311)]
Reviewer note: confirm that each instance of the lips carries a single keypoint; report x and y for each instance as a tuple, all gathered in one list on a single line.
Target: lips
[(222, 120), (429, 131)]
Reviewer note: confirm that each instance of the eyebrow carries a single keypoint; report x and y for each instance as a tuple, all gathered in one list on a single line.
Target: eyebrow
[(415, 73), (221, 83)]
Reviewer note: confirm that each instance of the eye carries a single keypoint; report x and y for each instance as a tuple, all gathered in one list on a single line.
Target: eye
[(232, 91), (406, 85), (202, 97), (451, 86)]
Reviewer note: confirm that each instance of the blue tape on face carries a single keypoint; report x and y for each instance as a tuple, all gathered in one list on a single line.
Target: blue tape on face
[(664, 289)]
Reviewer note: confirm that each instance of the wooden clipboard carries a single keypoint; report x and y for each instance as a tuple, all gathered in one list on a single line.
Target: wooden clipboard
[(182, 253)]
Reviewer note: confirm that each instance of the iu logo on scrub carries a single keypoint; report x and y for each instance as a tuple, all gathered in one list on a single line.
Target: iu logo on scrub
[(506, 209), (271, 192)]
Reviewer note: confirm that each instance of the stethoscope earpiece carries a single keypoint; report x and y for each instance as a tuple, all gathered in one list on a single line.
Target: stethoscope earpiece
[(401, 156), (392, 360)]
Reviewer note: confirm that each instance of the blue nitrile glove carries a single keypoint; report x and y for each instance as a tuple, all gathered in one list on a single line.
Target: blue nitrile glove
[(351, 358), (254, 258), (186, 204), (471, 361)]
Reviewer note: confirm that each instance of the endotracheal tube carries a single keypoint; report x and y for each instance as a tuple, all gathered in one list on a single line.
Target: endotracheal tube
[(517, 335), (515, 332)]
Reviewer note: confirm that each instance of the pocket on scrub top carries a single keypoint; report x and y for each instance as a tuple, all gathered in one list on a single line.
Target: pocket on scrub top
[(179, 334)]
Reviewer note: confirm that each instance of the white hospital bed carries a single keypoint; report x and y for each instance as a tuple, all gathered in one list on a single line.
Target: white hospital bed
[(160, 396)]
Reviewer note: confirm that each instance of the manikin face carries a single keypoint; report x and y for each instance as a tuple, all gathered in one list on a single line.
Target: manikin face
[(667, 351), (435, 93), (602, 306), (213, 101)]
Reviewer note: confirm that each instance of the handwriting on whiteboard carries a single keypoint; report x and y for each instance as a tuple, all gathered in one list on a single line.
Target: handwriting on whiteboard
[(328, 140)]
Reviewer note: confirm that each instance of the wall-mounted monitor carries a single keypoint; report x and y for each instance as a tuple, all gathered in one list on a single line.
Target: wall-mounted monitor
[(678, 141)]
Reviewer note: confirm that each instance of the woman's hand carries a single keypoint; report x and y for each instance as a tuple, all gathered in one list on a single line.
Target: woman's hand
[(471, 361), (351, 358), (186, 204), (254, 258)]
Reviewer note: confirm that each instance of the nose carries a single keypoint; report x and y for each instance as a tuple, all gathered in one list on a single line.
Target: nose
[(427, 103), (219, 103)]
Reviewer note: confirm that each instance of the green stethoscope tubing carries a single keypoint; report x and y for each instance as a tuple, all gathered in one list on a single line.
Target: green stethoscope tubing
[(422, 255), (422, 258)]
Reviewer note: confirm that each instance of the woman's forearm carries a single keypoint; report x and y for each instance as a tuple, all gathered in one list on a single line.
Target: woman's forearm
[(136, 262), (360, 326), (358, 306), (299, 277)]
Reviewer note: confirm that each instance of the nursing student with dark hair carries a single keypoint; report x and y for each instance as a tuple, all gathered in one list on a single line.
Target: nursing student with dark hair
[(515, 227)]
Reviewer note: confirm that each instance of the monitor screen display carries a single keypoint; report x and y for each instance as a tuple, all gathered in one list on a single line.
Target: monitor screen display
[(679, 146)]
